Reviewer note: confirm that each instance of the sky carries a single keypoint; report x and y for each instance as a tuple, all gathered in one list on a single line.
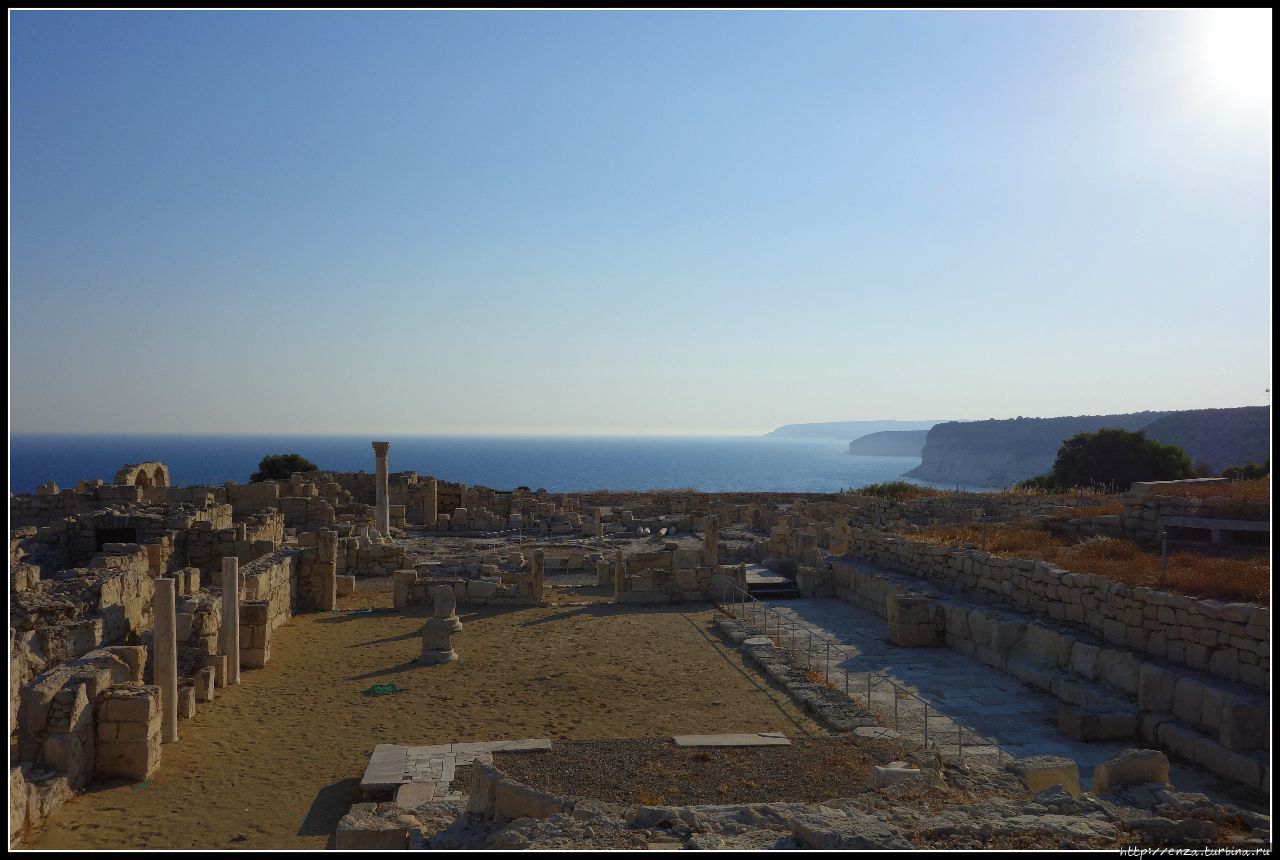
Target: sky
[(633, 222)]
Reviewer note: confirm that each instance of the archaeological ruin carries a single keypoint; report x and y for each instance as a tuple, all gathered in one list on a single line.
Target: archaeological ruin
[(394, 660)]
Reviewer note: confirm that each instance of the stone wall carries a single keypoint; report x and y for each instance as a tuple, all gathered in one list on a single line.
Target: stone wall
[(1227, 640), (670, 575), (1106, 692), (363, 556), (317, 571), (270, 599), (413, 588), (1144, 514)]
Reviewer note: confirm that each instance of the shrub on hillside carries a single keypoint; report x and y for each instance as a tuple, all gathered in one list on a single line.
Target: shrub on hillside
[(1114, 459), (275, 467), (897, 491)]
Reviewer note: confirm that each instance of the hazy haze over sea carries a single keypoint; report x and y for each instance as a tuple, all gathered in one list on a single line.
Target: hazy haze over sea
[(558, 464)]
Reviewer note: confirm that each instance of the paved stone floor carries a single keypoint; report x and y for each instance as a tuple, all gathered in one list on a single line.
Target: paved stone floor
[(967, 701)]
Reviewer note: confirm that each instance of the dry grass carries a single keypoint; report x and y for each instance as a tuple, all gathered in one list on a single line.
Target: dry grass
[(1199, 574), (1258, 490)]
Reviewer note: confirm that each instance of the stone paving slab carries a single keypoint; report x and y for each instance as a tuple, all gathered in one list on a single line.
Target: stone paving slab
[(763, 739), (392, 765), (411, 795), (993, 708)]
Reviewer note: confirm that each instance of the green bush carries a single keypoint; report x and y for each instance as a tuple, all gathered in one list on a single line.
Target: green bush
[(1248, 472), (276, 467), (895, 490), (1114, 459)]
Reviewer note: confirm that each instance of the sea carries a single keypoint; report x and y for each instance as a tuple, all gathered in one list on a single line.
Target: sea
[(557, 464)]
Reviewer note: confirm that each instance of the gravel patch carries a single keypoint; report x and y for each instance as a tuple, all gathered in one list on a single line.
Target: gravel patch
[(656, 771)]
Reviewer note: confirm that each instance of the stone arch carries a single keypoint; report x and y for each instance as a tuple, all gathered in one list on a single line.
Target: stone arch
[(149, 474)]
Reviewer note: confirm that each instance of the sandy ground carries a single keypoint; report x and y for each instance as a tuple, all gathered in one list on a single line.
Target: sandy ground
[(274, 762)]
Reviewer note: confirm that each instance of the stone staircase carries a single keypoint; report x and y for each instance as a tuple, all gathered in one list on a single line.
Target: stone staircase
[(1106, 692), (764, 584)]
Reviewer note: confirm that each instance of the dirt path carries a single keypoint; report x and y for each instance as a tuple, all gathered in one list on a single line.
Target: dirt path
[(274, 762)]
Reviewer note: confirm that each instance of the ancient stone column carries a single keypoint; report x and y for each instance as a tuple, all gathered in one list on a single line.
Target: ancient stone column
[(165, 643), (537, 571), (619, 575), (382, 510), (436, 633), (430, 503), (230, 634), (711, 542)]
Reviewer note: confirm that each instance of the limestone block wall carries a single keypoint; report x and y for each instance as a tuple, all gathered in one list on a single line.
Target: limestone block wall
[(204, 546), (1219, 725), (1227, 640), (35, 552), (41, 715), (307, 514), (413, 588), (34, 795), (128, 735), (83, 538), (59, 620), (271, 580), (368, 557), (252, 498), (198, 623), (317, 571), (42, 510), (669, 576)]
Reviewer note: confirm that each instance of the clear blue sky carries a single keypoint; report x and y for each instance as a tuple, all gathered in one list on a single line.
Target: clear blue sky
[(632, 222)]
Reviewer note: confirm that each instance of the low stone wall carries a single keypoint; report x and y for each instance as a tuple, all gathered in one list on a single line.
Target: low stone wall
[(1144, 515), (271, 597), (671, 575), (362, 556), (413, 588), (128, 736), (204, 546), (1228, 640)]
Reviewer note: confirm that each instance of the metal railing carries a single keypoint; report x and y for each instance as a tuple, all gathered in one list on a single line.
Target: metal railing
[(908, 707)]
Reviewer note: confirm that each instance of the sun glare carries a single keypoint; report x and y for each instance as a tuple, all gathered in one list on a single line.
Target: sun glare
[(1234, 56)]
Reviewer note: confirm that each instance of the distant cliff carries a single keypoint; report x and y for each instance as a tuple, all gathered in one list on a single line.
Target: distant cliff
[(846, 429), (1219, 437), (890, 443), (998, 453)]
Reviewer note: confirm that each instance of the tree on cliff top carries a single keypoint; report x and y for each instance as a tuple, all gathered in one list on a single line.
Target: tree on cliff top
[(1113, 458), (280, 466)]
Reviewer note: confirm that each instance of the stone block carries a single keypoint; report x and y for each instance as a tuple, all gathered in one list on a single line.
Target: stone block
[(892, 774), (217, 662), (186, 702), (515, 800), (1131, 767), (1119, 670), (1087, 725), (370, 833), (1243, 726), (1188, 700), (1043, 771), (1155, 688), (346, 584)]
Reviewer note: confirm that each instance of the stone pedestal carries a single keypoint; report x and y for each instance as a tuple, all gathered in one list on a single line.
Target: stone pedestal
[(382, 498), (436, 633)]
